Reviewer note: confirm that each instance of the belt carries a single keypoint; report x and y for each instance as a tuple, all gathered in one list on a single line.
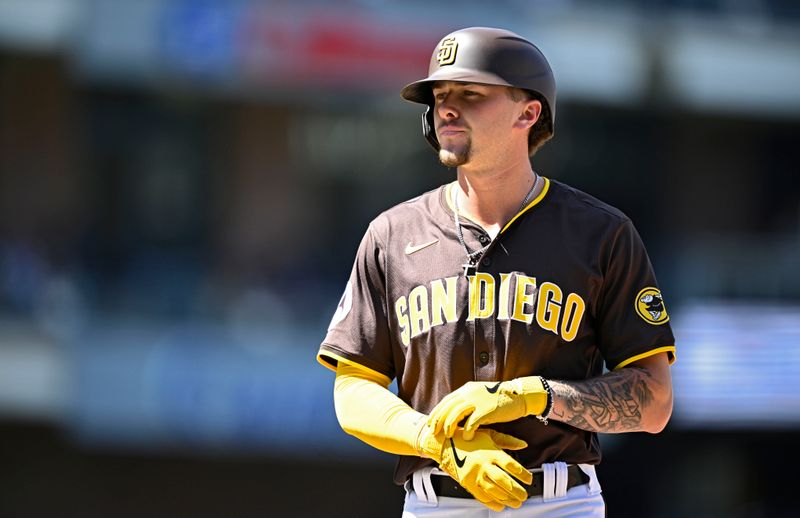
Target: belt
[(446, 486)]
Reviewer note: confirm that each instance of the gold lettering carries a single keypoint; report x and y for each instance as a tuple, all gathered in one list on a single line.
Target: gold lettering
[(443, 301), (418, 311), (522, 298), (427, 307), (481, 295), (574, 308), (548, 307), (502, 299), (402, 319)]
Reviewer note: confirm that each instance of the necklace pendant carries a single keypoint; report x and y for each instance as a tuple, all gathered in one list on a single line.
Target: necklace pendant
[(469, 269)]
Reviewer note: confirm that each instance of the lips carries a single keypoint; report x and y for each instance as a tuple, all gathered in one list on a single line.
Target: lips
[(449, 130)]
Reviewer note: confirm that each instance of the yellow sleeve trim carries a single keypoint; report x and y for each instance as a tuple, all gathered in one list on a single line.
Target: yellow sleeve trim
[(330, 360), (531, 204), (669, 349)]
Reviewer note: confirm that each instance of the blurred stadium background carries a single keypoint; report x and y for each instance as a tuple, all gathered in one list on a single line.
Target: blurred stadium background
[(183, 184)]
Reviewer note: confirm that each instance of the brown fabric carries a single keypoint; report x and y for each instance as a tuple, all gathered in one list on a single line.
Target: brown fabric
[(569, 243)]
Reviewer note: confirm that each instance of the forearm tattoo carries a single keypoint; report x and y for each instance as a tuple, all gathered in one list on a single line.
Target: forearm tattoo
[(612, 403)]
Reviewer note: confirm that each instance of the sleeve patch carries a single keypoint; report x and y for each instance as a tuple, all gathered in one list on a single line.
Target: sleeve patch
[(344, 307), (650, 306)]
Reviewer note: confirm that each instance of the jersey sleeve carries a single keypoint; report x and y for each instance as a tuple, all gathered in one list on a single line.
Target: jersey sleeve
[(633, 322), (359, 331)]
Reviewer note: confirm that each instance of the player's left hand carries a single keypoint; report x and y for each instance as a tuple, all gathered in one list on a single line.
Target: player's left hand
[(481, 466), (482, 402)]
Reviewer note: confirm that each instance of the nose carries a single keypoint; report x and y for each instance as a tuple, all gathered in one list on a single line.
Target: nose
[(445, 109)]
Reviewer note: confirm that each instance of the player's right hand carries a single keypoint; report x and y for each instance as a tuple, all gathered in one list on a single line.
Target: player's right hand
[(480, 465)]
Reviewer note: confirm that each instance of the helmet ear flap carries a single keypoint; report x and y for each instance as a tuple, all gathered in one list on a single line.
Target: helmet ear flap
[(428, 128)]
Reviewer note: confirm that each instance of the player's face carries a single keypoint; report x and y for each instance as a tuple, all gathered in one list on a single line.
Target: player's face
[(472, 121)]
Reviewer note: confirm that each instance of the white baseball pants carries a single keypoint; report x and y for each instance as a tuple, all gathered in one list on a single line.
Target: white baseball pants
[(556, 501)]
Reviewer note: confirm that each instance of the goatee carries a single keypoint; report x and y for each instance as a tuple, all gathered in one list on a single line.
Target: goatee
[(453, 159)]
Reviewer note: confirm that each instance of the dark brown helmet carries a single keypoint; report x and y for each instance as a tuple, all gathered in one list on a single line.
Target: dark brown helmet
[(488, 56)]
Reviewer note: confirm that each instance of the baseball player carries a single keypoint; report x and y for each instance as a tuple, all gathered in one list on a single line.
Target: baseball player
[(495, 301)]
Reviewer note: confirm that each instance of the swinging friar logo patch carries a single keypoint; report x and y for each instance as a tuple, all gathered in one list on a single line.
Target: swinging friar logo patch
[(344, 306), (650, 306)]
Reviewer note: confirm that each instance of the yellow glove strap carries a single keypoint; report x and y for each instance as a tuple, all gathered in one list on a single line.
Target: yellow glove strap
[(533, 392), (429, 445)]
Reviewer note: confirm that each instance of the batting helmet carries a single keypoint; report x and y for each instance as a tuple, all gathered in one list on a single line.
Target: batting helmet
[(488, 56)]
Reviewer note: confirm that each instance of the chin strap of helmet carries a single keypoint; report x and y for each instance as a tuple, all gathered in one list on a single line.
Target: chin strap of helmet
[(428, 129)]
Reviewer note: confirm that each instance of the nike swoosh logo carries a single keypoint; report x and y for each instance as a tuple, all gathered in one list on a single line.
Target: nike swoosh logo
[(492, 390), (410, 249), (459, 462)]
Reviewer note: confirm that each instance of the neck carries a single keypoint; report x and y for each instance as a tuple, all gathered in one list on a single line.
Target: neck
[(492, 198)]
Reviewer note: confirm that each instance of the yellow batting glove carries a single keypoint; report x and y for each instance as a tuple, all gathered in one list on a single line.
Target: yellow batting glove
[(480, 465), (482, 402)]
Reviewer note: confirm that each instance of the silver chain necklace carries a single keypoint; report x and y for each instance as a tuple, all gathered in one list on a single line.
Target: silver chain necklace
[(474, 256)]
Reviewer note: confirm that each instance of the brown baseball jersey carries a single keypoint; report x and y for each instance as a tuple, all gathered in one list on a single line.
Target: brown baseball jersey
[(565, 287)]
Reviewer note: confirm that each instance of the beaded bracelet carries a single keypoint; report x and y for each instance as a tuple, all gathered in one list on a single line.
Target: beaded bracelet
[(549, 406)]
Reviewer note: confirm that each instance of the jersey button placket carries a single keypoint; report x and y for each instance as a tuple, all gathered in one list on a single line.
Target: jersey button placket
[(484, 240), (485, 370)]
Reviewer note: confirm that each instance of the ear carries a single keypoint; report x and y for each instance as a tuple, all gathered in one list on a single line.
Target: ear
[(530, 114)]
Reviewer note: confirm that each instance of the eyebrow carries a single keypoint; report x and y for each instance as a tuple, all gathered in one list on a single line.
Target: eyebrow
[(438, 84)]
